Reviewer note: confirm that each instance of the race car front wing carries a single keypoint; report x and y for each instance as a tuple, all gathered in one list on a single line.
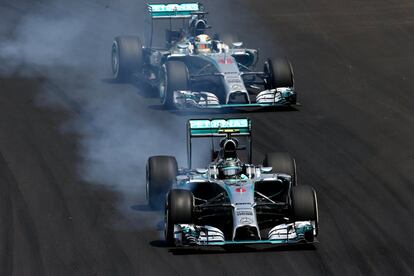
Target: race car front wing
[(184, 99), (290, 233)]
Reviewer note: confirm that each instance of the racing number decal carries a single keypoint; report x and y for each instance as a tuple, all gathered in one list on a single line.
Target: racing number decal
[(225, 61)]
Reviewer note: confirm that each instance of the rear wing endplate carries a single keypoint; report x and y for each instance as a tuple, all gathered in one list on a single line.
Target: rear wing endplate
[(202, 128)]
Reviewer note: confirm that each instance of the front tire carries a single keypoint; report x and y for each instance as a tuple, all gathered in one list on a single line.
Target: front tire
[(127, 57), (178, 210), (173, 76), (279, 74), (305, 205), (161, 172), (282, 162)]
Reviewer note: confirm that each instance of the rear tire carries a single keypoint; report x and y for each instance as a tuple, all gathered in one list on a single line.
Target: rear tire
[(161, 173), (305, 205), (173, 76), (282, 162), (127, 57), (178, 210)]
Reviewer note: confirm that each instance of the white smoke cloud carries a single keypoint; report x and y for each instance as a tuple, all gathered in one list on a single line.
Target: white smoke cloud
[(67, 44), (42, 41), (65, 33)]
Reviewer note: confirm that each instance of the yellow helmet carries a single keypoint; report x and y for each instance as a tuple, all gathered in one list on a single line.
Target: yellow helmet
[(203, 44)]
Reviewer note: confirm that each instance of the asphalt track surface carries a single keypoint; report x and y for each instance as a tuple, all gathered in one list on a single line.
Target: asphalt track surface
[(69, 207)]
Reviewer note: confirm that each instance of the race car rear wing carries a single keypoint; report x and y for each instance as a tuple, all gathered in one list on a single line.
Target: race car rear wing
[(202, 128), (172, 10), (219, 127)]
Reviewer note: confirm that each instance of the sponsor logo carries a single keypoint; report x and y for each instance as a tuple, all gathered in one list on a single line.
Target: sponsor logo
[(244, 203), (174, 7), (244, 213), (246, 220), (233, 80), (219, 123)]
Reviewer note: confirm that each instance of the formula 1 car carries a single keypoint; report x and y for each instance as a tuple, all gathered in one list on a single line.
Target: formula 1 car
[(194, 70), (232, 202)]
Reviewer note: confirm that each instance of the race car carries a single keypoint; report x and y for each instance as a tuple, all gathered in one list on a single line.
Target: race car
[(194, 70), (231, 201)]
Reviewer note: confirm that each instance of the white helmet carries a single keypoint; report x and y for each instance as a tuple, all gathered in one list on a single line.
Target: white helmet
[(203, 44), (230, 168)]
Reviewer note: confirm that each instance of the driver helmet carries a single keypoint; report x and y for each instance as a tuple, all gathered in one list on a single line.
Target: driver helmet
[(203, 44), (230, 168)]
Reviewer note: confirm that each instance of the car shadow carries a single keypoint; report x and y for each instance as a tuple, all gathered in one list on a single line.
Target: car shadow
[(145, 89), (232, 249), (194, 112)]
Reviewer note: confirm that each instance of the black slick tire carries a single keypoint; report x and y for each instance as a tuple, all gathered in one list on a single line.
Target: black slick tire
[(161, 172), (281, 162), (178, 210), (305, 204), (280, 73), (173, 77), (126, 57)]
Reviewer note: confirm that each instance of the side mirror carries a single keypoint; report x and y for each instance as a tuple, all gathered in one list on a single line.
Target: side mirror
[(266, 169), (237, 44), (181, 45), (201, 171)]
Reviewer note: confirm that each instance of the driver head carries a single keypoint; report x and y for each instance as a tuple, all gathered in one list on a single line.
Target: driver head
[(230, 169), (203, 44)]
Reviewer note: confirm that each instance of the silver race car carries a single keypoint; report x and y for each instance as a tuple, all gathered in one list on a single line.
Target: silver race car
[(194, 70), (231, 201)]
